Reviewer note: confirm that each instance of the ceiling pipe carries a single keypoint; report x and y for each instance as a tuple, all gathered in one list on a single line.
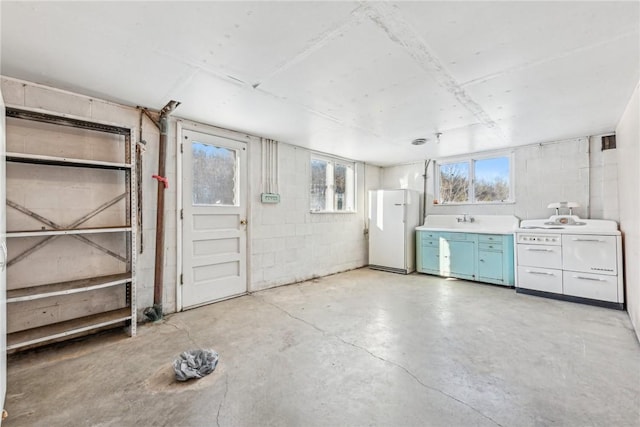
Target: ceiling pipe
[(155, 312)]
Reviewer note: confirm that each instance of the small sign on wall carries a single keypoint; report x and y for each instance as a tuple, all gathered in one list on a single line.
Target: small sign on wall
[(270, 198)]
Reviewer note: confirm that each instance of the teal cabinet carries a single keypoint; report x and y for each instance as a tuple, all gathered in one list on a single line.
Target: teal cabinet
[(461, 259), (428, 253), (457, 255), (480, 257), (495, 259), (490, 266)]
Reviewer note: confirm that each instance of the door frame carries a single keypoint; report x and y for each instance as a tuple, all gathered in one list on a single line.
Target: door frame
[(182, 125)]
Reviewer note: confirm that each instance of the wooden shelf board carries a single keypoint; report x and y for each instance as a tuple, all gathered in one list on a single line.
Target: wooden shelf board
[(64, 161), (63, 329), (37, 233), (65, 288)]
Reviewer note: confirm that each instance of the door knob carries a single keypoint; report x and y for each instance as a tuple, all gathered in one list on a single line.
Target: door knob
[(243, 222)]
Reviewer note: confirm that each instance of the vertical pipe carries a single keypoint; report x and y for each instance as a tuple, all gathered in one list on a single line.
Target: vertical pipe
[(158, 284), (424, 204)]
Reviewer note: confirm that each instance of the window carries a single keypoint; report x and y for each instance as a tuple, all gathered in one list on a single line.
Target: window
[(214, 175), (608, 142), (332, 185), (475, 180)]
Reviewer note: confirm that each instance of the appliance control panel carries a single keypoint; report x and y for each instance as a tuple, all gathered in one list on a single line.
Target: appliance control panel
[(540, 239)]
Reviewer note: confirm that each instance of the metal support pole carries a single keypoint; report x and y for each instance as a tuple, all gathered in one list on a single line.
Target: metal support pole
[(155, 312)]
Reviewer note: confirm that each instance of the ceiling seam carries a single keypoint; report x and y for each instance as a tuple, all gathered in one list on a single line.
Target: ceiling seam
[(548, 59), (389, 20), (254, 88), (314, 44)]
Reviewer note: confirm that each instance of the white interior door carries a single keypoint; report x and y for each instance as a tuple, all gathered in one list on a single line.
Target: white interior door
[(214, 248), (3, 262)]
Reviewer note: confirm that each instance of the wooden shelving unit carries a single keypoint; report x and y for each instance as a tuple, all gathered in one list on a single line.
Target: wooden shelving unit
[(92, 321)]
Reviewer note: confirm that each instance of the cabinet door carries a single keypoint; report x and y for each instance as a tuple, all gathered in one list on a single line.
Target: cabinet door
[(457, 258), (490, 265), (430, 259), (590, 254)]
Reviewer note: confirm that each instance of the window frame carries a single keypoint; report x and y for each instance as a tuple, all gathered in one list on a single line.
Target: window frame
[(471, 161), (350, 183)]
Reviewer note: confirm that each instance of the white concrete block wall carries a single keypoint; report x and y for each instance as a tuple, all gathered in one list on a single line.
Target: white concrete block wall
[(288, 242), (603, 175), (628, 152), (544, 173)]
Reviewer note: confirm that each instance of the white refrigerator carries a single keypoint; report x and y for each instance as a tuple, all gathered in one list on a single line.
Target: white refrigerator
[(393, 217)]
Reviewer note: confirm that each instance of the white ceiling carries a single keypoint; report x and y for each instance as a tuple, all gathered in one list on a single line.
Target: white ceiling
[(360, 80)]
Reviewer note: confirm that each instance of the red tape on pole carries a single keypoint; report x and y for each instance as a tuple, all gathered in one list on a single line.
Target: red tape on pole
[(162, 179)]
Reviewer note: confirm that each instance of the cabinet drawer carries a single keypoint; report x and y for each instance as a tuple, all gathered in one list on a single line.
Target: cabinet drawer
[(426, 235), (593, 286), (430, 243), (495, 246), (457, 236), (540, 279), (540, 256), (490, 238)]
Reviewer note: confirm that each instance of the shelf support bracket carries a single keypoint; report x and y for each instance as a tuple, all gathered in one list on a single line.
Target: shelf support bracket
[(55, 226)]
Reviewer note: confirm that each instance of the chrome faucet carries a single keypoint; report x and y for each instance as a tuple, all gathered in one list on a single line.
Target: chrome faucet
[(465, 218)]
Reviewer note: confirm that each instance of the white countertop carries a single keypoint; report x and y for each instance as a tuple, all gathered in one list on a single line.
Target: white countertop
[(478, 230), (487, 224), (569, 224)]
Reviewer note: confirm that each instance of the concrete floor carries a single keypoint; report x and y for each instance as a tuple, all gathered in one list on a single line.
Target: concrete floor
[(359, 348)]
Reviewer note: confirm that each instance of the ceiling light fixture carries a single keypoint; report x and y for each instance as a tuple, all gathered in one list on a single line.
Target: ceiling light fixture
[(419, 141), (438, 135)]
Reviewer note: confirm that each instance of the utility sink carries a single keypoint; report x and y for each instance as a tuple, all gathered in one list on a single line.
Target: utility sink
[(491, 224)]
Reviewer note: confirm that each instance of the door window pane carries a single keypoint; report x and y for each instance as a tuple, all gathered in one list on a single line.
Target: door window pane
[(454, 182), (491, 182), (214, 175)]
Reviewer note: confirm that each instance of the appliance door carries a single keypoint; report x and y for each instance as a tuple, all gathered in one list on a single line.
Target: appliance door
[(387, 228), (540, 279), (540, 256), (594, 286), (589, 253)]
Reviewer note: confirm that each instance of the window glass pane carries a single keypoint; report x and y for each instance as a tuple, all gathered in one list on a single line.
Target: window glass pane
[(491, 179), (340, 177), (214, 175), (454, 182), (318, 185)]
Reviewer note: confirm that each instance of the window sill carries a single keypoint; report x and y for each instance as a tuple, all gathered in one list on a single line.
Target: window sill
[(510, 202), (333, 212)]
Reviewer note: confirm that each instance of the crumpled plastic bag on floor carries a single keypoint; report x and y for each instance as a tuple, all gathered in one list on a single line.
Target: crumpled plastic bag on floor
[(195, 364)]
